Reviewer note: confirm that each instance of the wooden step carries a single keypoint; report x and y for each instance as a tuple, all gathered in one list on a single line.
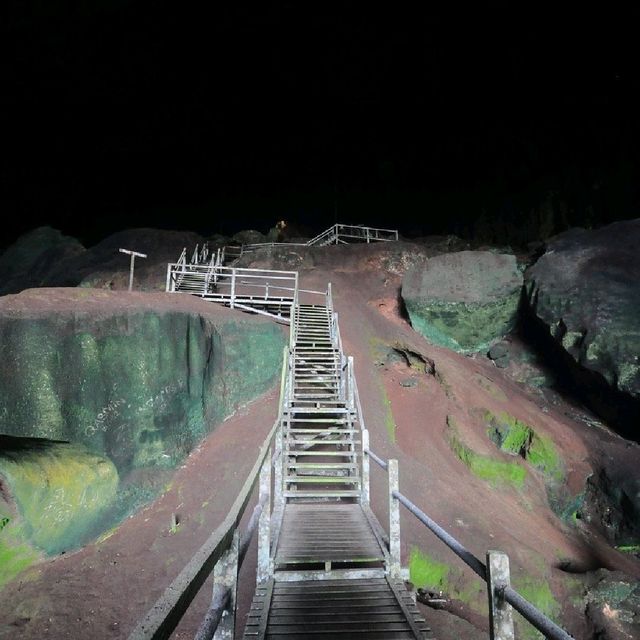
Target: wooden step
[(339, 410), (320, 420), (331, 454), (348, 493), (322, 465), (327, 430), (323, 480)]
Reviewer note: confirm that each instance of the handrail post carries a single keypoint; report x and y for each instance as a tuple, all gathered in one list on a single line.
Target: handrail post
[(168, 285), (394, 521), (233, 287), (264, 524), (500, 611), (225, 578), (278, 471), (365, 497), (350, 388)]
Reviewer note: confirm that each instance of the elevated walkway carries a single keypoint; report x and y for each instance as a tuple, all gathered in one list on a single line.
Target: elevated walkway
[(269, 292), (329, 572), (326, 568)]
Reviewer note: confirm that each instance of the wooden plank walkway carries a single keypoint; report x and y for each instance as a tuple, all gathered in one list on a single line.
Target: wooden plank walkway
[(366, 608), (330, 575), (328, 534)]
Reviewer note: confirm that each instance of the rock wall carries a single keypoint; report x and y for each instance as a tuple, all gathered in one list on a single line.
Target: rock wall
[(583, 297), (140, 387), (132, 381)]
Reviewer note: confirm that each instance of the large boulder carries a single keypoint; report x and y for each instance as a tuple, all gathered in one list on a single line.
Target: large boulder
[(132, 382), (464, 300), (46, 258), (585, 293), (30, 260), (61, 490)]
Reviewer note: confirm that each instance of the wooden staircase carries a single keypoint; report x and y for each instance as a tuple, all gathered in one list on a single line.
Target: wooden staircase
[(318, 427), (331, 574)]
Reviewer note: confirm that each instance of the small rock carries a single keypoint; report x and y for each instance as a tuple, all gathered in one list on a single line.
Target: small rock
[(408, 382), (498, 351)]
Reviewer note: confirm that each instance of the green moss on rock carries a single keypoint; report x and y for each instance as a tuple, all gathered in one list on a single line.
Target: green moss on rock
[(518, 438), (538, 592), (15, 554), (425, 572), (464, 301), (496, 472), (60, 489)]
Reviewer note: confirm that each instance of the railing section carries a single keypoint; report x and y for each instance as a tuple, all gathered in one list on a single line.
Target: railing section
[(501, 596)]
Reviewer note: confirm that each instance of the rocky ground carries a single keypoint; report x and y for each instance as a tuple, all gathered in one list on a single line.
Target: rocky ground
[(488, 446)]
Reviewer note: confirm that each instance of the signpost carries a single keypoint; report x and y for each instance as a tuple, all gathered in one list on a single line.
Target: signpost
[(134, 255)]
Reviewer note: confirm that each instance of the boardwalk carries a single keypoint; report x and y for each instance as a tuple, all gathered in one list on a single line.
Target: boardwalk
[(329, 573)]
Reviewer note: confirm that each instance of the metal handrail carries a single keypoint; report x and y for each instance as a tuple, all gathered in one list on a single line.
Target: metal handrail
[(528, 611)]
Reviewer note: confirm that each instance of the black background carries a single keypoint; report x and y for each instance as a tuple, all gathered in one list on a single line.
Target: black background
[(221, 117)]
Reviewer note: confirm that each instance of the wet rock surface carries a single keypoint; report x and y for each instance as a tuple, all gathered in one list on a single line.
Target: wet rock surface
[(464, 300)]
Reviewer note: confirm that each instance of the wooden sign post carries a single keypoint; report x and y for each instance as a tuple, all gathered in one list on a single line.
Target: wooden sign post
[(134, 255)]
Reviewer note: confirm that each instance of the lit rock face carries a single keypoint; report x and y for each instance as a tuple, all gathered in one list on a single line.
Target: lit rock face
[(142, 386), (464, 300), (585, 290), (104, 393)]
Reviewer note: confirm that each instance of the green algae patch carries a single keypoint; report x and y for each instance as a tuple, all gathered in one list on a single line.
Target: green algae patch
[(538, 592), (389, 422), (60, 489), (16, 555), (520, 439), (496, 472), (425, 572), (629, 548)]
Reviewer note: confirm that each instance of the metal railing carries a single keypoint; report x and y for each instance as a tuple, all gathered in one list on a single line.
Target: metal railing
[(495, 572), (340, 233), (248, 289), (224, 551)]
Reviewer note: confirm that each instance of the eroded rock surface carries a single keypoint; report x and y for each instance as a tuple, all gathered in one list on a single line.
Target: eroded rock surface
[(585, 292)]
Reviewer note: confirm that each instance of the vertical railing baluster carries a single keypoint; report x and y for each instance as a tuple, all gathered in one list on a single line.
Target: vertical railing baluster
[(500, 611), (351, 386), (394, 521), (264, 525), (365, 495), (233, 287), (225, 578)]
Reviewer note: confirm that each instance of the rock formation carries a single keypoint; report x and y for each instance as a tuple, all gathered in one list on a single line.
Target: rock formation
[(463, 300)]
